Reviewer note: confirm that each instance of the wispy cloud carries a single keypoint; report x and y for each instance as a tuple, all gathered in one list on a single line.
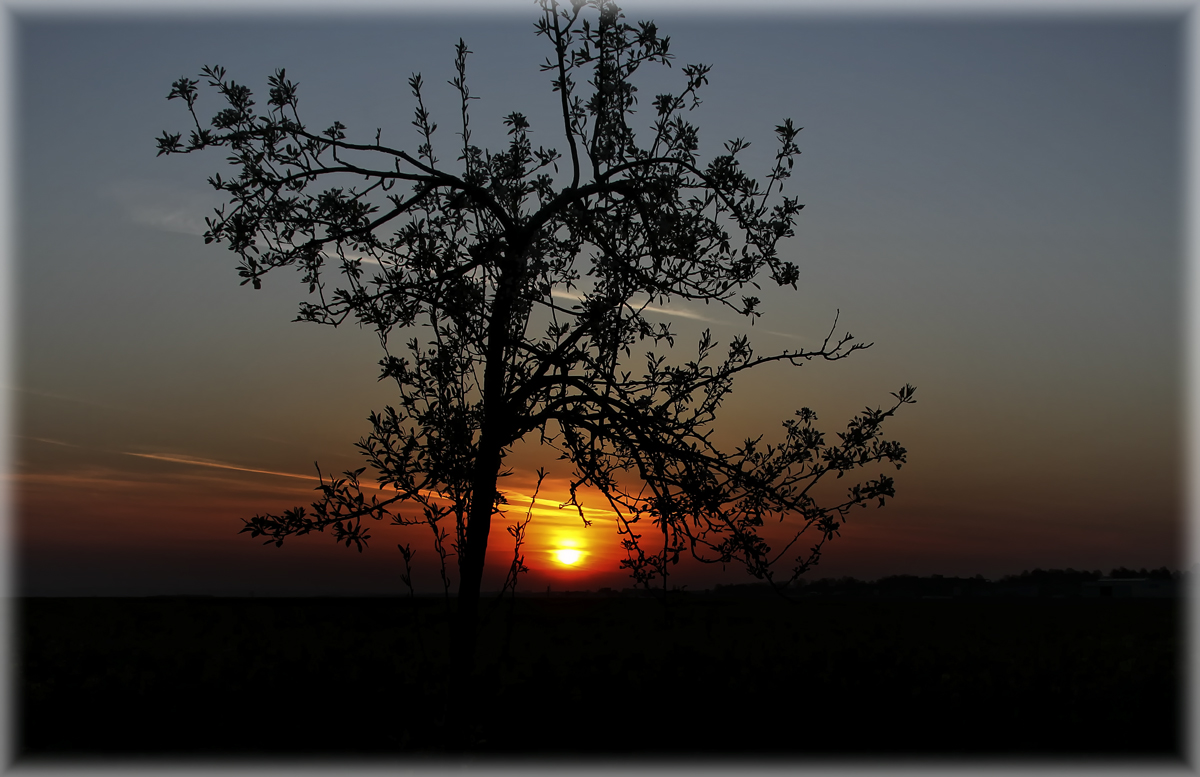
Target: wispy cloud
[(682, 313), (516, 500), (676, 312), (362, 258), (788, 335), (679, 313), (63, 398), (163, 207), (552, 508), (332, 256), (48, 441), (198, 462)]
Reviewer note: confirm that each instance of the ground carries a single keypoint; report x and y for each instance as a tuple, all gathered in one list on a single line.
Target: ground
[(560, 675)]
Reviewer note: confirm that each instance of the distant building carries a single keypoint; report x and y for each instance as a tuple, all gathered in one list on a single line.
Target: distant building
[(1129, 588)]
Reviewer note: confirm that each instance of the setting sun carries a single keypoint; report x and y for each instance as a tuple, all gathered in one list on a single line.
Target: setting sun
[(567, 551), (567, 556)]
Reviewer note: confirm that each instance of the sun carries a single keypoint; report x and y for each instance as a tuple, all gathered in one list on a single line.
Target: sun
[(567, 556), (568, 551)]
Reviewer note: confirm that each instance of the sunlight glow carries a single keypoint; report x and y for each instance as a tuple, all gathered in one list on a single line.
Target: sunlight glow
[(567, 556)]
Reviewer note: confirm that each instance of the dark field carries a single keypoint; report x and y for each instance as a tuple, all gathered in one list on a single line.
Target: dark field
[(350, 677)]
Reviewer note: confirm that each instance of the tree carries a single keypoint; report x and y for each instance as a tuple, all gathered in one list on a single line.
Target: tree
[(519, 281)]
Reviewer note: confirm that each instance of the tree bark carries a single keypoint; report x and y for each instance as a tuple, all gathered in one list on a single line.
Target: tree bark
[(465, 701), (479, 523), (493, 438)]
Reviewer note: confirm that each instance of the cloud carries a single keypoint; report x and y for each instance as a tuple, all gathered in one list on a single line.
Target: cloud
[(63, 398), (552, 508), (195, 461), (178, 458), (677, 312), (162, 207), (333, 258), (362, 258), (517, 500), (49, 441), (680, 313), (788, 335)]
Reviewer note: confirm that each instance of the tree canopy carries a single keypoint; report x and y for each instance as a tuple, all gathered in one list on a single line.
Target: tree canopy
[(509, 290)]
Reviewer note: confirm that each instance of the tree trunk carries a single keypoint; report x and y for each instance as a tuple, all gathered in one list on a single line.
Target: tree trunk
[(493, 438), (479, 524), (465, 698)]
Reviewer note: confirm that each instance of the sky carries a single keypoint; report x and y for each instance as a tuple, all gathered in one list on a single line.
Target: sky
[(994, 202)]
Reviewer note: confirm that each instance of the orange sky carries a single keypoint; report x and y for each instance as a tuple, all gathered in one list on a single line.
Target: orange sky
[(119, 522)]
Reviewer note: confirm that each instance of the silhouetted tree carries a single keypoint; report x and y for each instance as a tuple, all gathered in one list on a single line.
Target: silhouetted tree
[(518, 282)]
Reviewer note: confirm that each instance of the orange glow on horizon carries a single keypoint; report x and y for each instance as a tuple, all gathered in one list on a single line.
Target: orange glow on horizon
[(558, 543)]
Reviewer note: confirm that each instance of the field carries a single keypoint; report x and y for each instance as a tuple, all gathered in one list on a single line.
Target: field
[(366, 677)]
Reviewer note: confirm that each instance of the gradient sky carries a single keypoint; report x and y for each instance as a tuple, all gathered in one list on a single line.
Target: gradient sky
[(994, 203)]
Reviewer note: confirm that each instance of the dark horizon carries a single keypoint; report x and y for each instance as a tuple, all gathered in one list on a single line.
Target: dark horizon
[(1037, 576)]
